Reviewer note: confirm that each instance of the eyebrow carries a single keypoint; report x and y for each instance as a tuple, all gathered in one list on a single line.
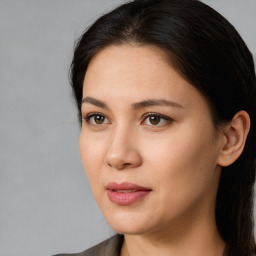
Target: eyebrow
[(136, 106), (95, 102), (155, 102)]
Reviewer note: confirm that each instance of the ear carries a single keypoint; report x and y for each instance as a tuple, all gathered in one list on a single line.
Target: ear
[(234, 138)]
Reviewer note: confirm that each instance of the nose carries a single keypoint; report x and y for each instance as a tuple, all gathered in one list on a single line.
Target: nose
[(123, 152)]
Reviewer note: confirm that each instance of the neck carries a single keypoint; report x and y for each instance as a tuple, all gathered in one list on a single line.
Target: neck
[(197, 238)]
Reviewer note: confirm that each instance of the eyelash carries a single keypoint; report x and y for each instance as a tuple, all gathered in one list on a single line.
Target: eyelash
[(89, 116), (148, 115), (167, 120)]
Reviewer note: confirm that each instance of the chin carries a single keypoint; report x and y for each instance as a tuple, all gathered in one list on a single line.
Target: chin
[(128, 229), (128, 223)]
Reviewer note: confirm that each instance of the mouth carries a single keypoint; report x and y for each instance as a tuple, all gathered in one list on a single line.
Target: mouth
[(126, 193)]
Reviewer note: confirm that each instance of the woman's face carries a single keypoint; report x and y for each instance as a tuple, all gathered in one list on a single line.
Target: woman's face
[(148, 144)]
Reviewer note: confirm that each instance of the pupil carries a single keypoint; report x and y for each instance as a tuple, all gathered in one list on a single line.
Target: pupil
[(154, 120), (99, 119)]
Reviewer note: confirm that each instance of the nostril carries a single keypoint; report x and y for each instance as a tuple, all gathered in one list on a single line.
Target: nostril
[(119, 166), (122, 157)]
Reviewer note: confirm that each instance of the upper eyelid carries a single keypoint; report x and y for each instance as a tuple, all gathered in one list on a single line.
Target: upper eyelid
[(90, 114), (166, 120), (157, 114)]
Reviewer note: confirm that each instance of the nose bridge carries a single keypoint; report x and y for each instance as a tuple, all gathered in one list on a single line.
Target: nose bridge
[(122, 151), (120, 140)]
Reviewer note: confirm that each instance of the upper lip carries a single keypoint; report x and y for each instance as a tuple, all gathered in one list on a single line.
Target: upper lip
[(125, 186)]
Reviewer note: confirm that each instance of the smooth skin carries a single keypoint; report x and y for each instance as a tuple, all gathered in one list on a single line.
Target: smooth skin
[(145, 124)]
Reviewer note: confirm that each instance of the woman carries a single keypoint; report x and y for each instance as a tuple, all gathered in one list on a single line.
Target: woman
[(166, 95)]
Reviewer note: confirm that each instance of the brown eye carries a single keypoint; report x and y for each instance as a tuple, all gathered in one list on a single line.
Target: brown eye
[(98, 119), (154, 120)]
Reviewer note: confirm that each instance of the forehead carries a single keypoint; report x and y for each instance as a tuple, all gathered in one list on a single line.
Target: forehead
[(128, 65), (128, 74), (139, 56)]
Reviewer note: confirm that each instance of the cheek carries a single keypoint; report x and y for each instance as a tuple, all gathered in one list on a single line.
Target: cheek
[(184, 159), (91, 156)]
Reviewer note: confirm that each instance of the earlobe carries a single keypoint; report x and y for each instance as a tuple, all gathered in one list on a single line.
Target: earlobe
[(235, 134)]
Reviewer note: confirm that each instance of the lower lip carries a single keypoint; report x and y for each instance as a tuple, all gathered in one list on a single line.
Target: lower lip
[(126, 198)]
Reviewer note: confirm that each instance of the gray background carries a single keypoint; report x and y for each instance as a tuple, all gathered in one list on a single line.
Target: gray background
[(46, 203)]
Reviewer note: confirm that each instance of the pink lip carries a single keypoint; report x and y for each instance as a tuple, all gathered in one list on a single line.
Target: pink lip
[(118, 193)]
